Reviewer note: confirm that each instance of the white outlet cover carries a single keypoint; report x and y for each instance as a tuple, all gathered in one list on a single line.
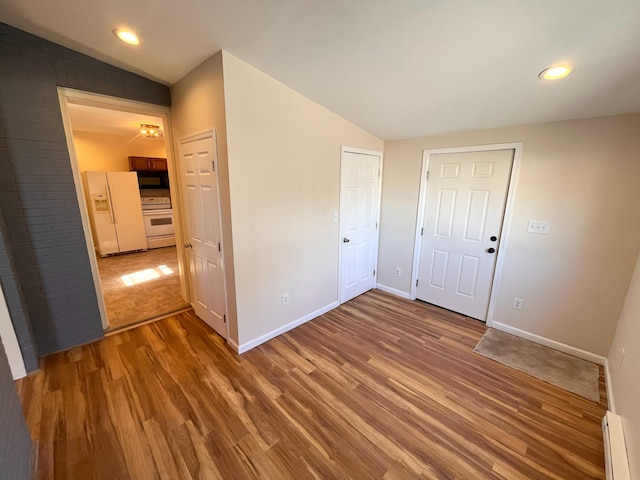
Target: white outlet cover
[(538, 226)]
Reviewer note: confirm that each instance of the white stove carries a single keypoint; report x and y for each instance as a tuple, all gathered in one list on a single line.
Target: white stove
[(155, 203), (158, 221)]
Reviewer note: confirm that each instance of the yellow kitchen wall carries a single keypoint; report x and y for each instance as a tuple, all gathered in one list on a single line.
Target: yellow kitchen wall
[(197, 104), (100, 152), (284, 170), (623, 369), (583, 177)]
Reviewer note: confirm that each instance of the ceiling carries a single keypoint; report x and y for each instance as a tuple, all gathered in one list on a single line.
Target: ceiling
[(111, 122), (398, 68)]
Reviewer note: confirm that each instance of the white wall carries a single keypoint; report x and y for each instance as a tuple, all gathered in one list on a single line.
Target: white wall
[(110, 153), (284, 169), (624, 379), (583, 176)]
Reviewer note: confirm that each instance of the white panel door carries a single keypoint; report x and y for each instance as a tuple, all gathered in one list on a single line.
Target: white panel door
[(359, 207), (200, 189), (466, 197)]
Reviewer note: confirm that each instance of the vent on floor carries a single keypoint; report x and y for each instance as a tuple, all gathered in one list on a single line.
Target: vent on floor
[(615, 449)]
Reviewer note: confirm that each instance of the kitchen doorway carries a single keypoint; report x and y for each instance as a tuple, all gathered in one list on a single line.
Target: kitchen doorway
[(125, 188)]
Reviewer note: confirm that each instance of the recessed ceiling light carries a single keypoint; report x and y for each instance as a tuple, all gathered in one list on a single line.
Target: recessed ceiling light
[(127, 36), (554, 73)]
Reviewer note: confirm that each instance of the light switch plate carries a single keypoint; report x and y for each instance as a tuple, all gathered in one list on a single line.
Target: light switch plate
[(537, 226)]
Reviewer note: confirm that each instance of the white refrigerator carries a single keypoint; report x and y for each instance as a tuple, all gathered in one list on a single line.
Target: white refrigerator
[(116, 212)]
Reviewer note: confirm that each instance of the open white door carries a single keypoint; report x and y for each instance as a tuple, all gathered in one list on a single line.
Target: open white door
[(465, 203), (197, 160), (360, 177), (10, 341)]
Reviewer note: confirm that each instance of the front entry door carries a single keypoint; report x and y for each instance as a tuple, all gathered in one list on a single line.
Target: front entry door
[(466, 197), (359, 207), (198, 172)]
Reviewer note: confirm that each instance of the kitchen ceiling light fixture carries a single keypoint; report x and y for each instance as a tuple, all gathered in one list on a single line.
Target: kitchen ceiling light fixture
[(127, 36), (150, 131), (555, 73)]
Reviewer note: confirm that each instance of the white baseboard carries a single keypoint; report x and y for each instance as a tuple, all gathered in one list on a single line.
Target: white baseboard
[(285, 328), (607, 378), (233, 344), (393, 291), (547, 342)]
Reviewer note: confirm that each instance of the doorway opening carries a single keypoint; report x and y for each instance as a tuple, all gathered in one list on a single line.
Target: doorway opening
[(128, 199)]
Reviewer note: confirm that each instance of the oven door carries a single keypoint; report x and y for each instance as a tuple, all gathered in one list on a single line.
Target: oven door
[(158, 223)]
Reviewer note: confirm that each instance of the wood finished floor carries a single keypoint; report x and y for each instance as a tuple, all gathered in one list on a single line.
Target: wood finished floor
[(379, 388), (127, 305)]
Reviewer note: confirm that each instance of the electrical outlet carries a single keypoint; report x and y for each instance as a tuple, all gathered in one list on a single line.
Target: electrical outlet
[(536, 226), (517, 303), (285, 298), (398, 272), (335, 216)]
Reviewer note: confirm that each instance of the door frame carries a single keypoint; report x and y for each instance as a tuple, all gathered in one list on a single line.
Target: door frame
[(210, 133), (68, 96), (506, 220), (10, 341), (344, 149)]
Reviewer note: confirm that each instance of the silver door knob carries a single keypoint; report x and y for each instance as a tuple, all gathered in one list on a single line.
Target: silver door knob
[(187, 245), (345, 240)]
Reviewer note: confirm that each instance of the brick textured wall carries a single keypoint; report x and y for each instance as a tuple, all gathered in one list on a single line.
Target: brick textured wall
[(44, 264), (15, 443)]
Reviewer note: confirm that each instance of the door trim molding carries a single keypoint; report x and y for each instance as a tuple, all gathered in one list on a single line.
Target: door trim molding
[(506, 221), (68, 96), (10, 341), (344, 149)]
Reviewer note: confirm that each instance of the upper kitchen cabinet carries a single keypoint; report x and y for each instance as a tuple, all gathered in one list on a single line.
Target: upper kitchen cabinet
[(146, 164)]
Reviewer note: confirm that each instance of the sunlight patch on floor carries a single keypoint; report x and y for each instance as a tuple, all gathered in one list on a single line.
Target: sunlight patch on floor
[(142, 276)]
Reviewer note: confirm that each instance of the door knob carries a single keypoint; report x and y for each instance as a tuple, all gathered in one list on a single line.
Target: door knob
[(187, 245), (491, 250), (345, 240), (493, 238)]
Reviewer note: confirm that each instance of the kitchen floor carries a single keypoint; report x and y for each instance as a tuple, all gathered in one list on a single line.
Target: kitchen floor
[(140, 286)]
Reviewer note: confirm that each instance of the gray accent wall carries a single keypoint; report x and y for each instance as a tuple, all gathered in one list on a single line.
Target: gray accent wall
[(44, 264), (15, 442)]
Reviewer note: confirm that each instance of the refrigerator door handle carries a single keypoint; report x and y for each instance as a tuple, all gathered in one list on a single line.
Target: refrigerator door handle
[(114, 220)]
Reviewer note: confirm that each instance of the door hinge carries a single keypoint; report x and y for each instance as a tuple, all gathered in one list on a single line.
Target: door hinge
[(421, 231), (427, 174), (374, 273), (376, 224), (213, 165), (417, 282), (219, 247), (224, 317)]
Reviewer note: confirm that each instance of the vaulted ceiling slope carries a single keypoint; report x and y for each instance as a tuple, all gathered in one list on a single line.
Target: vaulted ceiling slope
[(398, 68)]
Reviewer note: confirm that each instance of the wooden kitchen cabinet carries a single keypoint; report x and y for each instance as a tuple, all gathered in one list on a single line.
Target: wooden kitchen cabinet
[(147, 164)]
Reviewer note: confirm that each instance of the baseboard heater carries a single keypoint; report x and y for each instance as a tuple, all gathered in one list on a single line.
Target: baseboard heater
[(615, 449)]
